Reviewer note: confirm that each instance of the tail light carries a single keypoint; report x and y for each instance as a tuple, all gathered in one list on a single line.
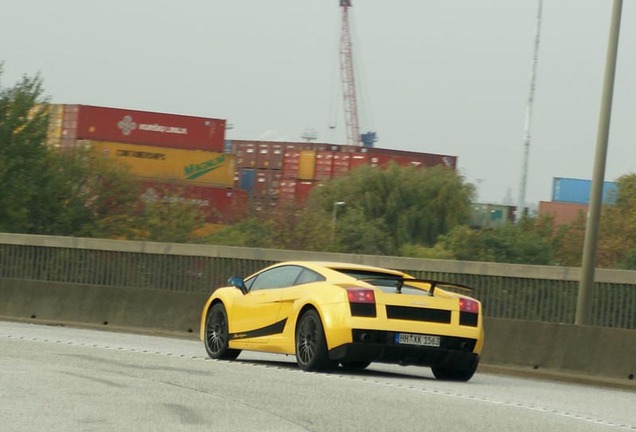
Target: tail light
[(468, 312), (360, 295), (468, 305), (361, 302)]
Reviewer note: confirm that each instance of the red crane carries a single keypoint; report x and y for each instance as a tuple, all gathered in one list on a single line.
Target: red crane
[(348, 78)]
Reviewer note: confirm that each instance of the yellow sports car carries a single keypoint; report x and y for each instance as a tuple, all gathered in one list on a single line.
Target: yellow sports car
[(336, 313)]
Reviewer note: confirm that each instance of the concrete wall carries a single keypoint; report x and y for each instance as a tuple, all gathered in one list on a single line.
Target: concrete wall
[(597, 351), (101, 305)]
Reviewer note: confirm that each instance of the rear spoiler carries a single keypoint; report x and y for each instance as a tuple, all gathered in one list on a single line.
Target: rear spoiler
[(433, 283)]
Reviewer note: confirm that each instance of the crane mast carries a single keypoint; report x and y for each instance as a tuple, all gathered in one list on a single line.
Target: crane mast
[(348, 78)]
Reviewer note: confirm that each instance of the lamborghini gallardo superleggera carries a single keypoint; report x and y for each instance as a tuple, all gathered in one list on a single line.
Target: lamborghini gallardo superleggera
[(330, 314)]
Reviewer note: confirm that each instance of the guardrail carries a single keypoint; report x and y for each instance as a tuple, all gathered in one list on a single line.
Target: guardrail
[(523, 292)]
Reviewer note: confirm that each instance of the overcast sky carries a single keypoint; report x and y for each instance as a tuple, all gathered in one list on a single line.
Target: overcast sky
[(449, 77)]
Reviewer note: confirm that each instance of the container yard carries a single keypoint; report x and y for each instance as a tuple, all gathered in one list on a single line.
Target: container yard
[(187, 158)]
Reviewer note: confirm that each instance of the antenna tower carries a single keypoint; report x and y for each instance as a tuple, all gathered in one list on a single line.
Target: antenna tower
[(348, 79), (521, 202)]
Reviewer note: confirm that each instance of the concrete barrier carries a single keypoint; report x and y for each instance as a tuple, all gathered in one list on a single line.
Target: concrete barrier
[(102, 305), (597, 351), (593, 351)]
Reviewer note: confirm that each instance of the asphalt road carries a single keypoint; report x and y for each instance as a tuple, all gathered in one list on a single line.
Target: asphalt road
[(66, 379)]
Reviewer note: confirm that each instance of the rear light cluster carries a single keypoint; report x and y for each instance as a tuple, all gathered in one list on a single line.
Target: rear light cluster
[(360, 295), (468, 305), (361, 302), (468, 312)]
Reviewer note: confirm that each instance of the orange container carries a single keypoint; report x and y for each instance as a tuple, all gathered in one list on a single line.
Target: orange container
[(307, 165)]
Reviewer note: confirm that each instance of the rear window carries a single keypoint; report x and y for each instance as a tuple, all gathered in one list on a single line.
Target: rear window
[(387, 282)]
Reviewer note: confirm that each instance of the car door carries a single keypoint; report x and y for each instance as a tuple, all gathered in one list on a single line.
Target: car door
[(255, 315)]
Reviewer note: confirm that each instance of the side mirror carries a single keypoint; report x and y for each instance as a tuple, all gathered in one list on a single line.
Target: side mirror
[(238, 282)]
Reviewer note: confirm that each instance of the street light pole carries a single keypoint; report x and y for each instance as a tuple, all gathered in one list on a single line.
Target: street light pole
[(584, 301), (334, 215)]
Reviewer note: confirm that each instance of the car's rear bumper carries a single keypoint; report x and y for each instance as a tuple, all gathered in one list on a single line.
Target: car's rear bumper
[(380, 346)]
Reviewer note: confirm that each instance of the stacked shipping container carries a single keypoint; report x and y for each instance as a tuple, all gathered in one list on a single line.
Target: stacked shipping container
[(176, 156), (288, 171)]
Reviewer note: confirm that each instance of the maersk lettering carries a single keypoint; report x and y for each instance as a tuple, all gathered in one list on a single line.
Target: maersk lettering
[(194, 171)]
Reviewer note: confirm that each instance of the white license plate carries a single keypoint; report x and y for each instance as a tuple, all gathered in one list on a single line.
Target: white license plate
[(416, 339)]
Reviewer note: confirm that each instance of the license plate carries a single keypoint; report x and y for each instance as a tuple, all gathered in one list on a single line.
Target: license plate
[(416, 339)]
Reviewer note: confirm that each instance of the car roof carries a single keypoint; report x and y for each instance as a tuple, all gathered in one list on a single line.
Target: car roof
[(333, 265)]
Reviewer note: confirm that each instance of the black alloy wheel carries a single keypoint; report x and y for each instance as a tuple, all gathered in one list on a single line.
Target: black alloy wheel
[(311, 346), (216, 334)]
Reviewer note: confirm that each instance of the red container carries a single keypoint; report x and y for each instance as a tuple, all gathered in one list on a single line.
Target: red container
[(324, 165), (563, 212), (245, 154), (380, 157), (319, 147), (269, 155), (341, 163), (219, 205), (287, 192), (303, 189), (142, 127), (267, 183), (358, 159), (291, 163)]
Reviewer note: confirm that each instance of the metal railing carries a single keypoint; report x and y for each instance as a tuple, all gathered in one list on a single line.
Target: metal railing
[(537, 293)]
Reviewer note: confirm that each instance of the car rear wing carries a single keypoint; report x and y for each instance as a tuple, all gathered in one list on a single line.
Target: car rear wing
[(400, 282)]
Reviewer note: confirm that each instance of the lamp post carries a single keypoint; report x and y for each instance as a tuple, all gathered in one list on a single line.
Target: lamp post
[(588, 264), (334, 215)]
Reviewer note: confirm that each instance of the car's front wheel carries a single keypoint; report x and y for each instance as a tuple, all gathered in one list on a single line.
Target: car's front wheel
[(455, 374), (217, 336), (311, 346)]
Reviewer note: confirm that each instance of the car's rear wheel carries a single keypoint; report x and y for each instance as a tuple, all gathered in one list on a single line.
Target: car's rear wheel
[(355, 365), (311, 346), (455, 374), (216, 334)]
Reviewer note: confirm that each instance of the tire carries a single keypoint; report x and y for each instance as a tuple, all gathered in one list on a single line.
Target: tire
[(355, 365), (216, 334), (311, 347), (455, 374)]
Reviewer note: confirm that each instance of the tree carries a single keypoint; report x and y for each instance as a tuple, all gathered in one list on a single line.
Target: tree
[(399, 205), (529, 242), (251, 232), (617, 237), (24, 159), (568, 242), (73, 192)]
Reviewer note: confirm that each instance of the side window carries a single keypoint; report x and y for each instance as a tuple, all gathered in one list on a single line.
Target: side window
[(308, 276), (278, 277)]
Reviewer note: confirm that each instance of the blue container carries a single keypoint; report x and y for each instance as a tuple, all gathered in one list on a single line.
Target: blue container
[(246, 180), (577, 191)]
